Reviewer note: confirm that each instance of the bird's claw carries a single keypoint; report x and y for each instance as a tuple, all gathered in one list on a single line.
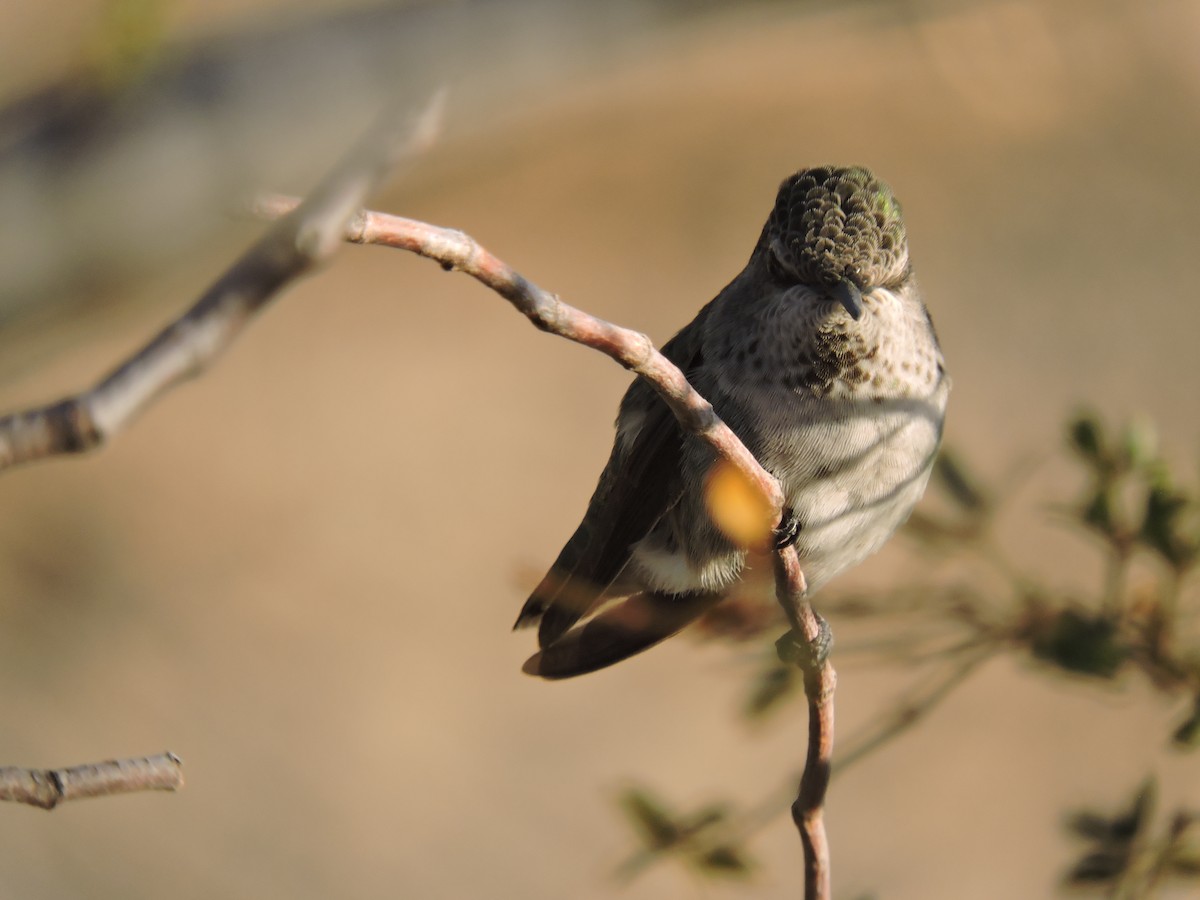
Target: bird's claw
[(808, 655), (788, 529)]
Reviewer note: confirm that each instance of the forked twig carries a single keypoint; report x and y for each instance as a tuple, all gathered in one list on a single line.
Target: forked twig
[(46, 788), (295, 245)]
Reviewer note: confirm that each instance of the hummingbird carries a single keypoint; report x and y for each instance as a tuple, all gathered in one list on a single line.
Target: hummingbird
[(821, 357)]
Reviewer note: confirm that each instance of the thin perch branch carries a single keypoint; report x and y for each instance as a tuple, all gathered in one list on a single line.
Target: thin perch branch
[(911, 707), (820, 680), (46, 788), (634, 351), (186, 347)]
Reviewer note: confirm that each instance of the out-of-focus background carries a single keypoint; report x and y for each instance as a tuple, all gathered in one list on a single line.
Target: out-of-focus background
[(300, 572)]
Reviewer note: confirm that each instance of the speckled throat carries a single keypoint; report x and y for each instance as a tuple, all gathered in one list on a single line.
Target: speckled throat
[(804, 342)]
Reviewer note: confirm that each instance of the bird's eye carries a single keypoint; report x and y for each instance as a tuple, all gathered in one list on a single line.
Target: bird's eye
[(776, 268)]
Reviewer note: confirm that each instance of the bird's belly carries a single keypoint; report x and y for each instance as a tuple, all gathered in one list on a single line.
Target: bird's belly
[(856, 480), (851, 471)]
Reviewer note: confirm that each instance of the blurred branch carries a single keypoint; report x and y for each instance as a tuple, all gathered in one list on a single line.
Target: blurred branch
[(917, 703), (185, 348), (46, 788)]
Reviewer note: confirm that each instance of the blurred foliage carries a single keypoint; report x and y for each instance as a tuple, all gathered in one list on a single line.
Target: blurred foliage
[(1131, 501), (1139, 512), (696, 838), (1125, 857), (127, 41)]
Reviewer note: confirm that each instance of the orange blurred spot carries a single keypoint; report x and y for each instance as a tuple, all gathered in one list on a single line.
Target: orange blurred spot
[(736, 507)]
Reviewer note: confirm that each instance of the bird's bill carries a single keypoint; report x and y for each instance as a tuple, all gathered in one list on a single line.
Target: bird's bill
[(847, 293)]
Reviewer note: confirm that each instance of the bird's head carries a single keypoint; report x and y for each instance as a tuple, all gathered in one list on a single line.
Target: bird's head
[(837, 230)]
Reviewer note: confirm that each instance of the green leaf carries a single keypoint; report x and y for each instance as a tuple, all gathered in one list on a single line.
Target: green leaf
[(1139, 444), (708, 817), (726, 860), (1162, 529), (1113, 838), (950, 474), (1187, 735), (1133, 821), (657, 826), (1186, 863), (1086, 437), (1091, 825), (1082, 643), (772, 686), (1098, 867), (1098, 512)]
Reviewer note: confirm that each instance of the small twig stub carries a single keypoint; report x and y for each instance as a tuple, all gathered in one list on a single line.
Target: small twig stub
[(47, 788)]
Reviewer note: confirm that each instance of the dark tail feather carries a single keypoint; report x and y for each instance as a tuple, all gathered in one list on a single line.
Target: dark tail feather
[(531, 612), (629, 627), (558, 603), (557, 621)]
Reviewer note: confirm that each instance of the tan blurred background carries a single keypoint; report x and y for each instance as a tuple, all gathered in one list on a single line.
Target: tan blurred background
[(300, 572)]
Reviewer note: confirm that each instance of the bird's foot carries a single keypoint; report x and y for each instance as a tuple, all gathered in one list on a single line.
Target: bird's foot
[(789, 529), (809, 655)]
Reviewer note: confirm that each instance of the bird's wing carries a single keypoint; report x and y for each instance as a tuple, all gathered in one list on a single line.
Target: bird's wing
[(618, 632), (640, 482)]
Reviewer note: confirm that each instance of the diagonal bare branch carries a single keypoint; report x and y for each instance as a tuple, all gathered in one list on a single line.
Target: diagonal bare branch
[(634, 351), (455, 250), (308, 236), (46, 788)]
